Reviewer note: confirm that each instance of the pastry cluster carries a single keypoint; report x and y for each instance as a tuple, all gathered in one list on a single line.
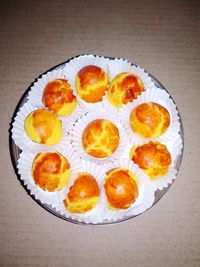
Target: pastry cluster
[(100, 138)]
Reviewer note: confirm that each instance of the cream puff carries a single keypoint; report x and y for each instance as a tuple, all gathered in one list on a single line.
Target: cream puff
[(91, 83), (124, 88), (83, 194), (121, 188), (43, 127), (50, 171), (100, 138), (58, 96), (149, 120), (153, 158)]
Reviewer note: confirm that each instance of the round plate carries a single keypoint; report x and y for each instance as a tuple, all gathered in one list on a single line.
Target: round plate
[(15, 152)]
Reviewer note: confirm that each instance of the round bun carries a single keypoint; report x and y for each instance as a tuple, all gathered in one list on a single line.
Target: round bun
[(121, 188), (149, 120), (59, 97), (50, 171), (83, 194), (154, 158), (91, 83), (100, 138), (43, 127), (124, 88)]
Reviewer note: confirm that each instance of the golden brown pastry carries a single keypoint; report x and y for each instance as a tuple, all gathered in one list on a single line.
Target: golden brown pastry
[(149, 120), (124, 88), (121, 188), (43, 127), (154, 158), (100, 138), (50, 171), (58, 96), (83, 194), (91, 83)]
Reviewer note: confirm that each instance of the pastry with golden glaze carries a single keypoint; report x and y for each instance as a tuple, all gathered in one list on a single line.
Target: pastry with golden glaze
[(149, 120), (50, 171), (100, 138), (58, 96), (43, 127), (121, 188), (91, 83), (83, 194), (124, 88), (153, 158)]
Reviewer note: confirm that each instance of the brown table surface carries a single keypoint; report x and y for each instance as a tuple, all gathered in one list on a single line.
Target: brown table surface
[(161, 36)]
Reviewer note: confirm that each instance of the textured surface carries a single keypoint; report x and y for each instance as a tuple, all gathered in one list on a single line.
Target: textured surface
[(161, 36)]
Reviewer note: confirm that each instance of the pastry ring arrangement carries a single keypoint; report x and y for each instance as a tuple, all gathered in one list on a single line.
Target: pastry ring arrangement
[(98, 139)]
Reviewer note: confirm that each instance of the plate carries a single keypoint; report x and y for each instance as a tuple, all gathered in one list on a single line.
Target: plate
[(15, 152)]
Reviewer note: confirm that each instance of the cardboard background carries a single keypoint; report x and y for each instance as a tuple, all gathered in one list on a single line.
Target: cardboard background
[(161, 36)]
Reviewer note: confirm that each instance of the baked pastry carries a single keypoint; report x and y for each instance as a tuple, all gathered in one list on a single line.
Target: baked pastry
[(124, 88), (149, 120), (50, 171), (91, 83), (100, 138), (121, 188), (58, 96), (83, 194), (153, 158), (43, 127)]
